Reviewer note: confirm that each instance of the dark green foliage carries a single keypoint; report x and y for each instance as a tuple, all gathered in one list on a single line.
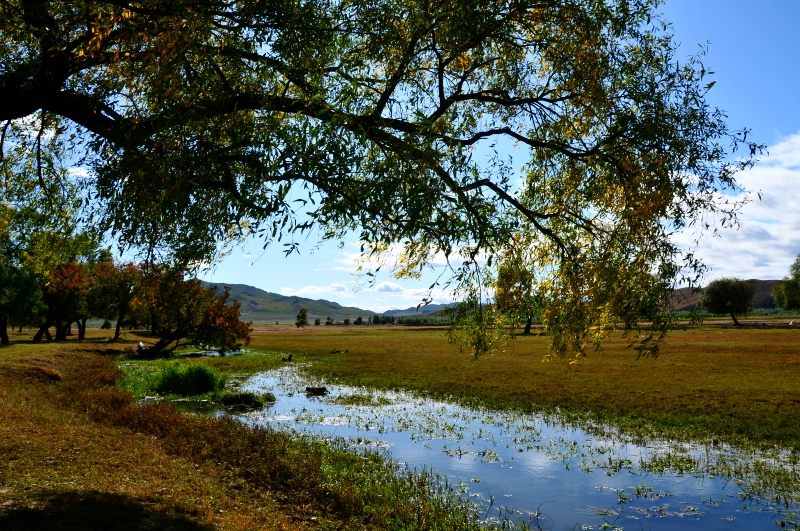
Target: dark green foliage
[(730, 296), (191, 380), (787, 294), (302, 318)]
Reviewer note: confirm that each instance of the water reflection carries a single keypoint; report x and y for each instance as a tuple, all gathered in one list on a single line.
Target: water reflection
[(528, 468)]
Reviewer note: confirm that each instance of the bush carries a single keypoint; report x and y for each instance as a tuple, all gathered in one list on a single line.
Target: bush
[(243, 400), (192, 380)]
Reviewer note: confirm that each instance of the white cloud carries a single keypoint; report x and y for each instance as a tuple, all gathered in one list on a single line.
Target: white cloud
[(379, 297), (312, 291), (768, 239)]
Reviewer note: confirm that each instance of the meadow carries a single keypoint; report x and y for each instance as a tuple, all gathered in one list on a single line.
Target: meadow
[(76, 449), (710, 383)]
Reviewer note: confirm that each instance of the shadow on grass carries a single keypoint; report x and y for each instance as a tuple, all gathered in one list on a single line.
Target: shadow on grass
[(92, 510)]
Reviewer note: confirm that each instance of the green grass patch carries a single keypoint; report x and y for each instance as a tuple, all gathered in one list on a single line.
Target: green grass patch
[(189, 380), (242, 401)]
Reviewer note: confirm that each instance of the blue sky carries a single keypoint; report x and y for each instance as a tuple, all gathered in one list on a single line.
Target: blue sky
[(754, 52)]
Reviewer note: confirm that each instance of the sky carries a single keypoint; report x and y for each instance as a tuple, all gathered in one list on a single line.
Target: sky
[(752, 49)]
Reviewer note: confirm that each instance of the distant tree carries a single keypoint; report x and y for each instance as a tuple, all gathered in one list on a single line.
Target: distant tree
[(728, 295), (20, 297), (113, 290), (316, 322), (347, 322), (787, 294), (514, 291), (302, 318), (328, 321), (359, 320), (65, 294)]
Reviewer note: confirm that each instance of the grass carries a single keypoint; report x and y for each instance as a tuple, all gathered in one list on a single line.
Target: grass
[(188, 380), (77, 452), (739, 386)]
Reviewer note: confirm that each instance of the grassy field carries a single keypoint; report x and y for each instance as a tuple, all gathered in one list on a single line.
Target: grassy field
[(77, 453), (737, 385)]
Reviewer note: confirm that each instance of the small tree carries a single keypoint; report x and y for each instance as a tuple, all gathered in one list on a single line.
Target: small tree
[(728, 295), (316, 321), (347, 322), (184, 312), (302, 318), (787, 294), (359, 320)]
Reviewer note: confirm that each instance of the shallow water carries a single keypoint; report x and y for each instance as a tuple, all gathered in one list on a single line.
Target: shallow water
[(527, 468)]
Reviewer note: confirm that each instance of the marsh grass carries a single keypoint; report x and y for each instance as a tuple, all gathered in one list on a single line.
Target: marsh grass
[(78, 437), (708, 384), (189, 380), (361, 399)]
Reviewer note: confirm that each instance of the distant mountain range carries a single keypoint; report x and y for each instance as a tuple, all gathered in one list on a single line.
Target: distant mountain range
[(259, 305)]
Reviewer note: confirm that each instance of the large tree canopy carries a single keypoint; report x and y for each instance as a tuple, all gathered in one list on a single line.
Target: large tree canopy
[(206, 121)]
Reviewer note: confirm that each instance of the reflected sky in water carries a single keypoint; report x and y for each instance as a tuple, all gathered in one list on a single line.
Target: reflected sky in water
[(529, 468)]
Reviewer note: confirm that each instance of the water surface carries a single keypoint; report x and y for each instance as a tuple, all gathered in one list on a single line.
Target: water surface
[(528, 468)]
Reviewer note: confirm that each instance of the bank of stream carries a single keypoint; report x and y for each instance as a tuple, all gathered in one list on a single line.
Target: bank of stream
[(537, 471)]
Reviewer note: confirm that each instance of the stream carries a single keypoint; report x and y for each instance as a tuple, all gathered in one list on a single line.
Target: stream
[(533, 469)]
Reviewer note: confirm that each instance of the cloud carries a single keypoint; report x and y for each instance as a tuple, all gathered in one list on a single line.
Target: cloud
[(388, 287), (768, 239), (312, 291)]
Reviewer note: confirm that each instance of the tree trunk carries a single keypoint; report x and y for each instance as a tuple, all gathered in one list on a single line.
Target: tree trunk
[(44, 330), (528, 325), (81, 329), (61, 331), (4, 331), (735, 322), (160, 350), (120, 318)]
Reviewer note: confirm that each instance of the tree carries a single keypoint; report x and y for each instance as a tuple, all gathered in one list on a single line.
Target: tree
[(787, 294), (302, 318), (514, 287), (20, 297), (113, 290), (728, 295), (218, 120), (65, 294), (184, 312)]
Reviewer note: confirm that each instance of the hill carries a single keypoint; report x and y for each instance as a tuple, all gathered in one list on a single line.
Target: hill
[(259, 305), (429, 310), (684, 299)]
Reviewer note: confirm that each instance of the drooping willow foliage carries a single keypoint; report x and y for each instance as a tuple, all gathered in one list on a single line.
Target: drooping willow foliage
[(209, 121)]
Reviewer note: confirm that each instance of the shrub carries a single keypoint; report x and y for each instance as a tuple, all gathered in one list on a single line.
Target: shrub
[(192, 380), (243, 400)]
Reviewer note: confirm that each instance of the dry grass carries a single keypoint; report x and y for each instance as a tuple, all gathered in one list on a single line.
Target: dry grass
[(738, 385), (60, 469)]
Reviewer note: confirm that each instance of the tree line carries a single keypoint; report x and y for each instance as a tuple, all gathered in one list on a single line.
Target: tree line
[(175, 309)]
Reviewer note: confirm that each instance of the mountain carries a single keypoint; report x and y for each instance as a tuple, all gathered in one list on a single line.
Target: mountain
[(430, 309), (684, 299), (260, 305)]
